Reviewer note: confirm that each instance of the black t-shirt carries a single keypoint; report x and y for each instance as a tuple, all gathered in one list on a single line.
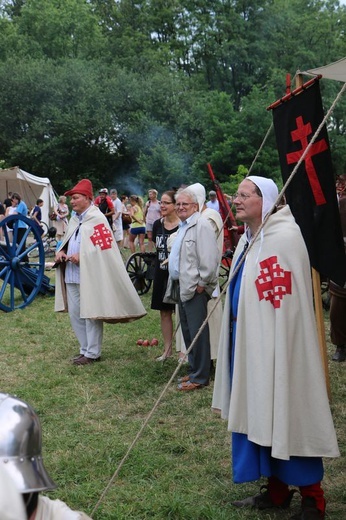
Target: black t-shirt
[(104, 208)]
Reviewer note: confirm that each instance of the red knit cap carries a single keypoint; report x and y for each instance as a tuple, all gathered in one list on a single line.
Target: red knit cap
[(83, 187)]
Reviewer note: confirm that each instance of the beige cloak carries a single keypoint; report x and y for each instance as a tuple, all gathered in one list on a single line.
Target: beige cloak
[(279, 396), (106, 291)]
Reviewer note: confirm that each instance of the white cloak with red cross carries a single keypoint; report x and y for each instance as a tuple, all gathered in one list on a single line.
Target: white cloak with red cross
[(106, 291), (278, 396)]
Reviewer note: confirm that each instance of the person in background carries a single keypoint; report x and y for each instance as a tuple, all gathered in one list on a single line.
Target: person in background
[(61, 213), (105, 205), (21, 461), (125, 206), (21, 209), (36, 214), (7, 201), (162, 229), (2, 216), (213, 203), (194, 263), (11, 210), (137, 229), (337, 313), (270, 383), (91, 279), (117, 222), (152, 212)]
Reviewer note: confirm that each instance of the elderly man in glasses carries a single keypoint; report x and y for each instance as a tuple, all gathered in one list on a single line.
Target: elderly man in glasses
[(269, 382), (194, 261)]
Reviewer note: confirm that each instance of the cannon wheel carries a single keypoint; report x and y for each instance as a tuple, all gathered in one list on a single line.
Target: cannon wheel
[(20, 276), (224, 270), (138, 268)]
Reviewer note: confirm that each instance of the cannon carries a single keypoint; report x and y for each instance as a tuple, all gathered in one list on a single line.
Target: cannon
[(140, 268), (22, 277)]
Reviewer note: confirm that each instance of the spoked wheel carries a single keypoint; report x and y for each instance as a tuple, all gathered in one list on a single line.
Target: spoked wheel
[(140, 270), (224, 270), (20, 276)]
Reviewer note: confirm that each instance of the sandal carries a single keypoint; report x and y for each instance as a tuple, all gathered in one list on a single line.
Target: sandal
[(162, 358)]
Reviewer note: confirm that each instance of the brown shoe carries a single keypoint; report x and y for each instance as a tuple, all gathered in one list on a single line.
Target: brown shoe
[(184, 379), (85, 361), (189, 386), (77, 357)]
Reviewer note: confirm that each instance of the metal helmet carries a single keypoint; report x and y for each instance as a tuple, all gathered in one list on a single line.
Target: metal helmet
[(20, 445)]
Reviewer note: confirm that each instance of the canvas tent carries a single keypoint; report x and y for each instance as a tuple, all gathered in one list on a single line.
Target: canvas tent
[(30, 188), (336, 70)]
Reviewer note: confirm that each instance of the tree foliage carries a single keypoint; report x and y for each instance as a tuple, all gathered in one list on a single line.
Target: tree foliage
[(132, 94)]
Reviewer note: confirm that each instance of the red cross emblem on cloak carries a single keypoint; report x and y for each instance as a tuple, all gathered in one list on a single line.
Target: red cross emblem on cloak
[(102, 237), (273, 282), (301, 134)]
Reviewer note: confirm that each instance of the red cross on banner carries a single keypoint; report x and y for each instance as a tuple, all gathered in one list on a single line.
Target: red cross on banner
[(301, 134), (102, 236), (273, 282)]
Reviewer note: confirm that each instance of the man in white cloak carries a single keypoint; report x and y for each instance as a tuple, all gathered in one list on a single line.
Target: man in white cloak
[(91, 279), (269, 382)]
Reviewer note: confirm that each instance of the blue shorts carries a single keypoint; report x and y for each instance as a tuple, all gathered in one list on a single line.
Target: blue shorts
[(138, 230)]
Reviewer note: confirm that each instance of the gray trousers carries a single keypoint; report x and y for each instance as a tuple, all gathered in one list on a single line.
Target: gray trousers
[(89, 332), (192, 315)]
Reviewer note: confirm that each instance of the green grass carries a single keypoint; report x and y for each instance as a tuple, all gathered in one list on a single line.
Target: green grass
[(180, 467)]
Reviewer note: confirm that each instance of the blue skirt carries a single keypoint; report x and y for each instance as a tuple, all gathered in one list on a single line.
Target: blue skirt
[(251, 462)]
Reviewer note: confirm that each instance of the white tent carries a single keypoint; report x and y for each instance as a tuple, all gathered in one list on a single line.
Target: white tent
[(336, 70), (30, 188)]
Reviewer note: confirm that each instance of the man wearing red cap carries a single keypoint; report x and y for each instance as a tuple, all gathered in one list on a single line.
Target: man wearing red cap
[(91, 279)]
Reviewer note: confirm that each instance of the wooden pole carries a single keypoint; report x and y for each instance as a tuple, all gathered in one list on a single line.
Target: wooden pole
[(316, 285)]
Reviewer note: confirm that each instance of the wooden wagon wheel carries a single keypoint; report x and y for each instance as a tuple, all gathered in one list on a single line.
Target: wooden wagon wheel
[(139, 267), (20, 276), (224, 269)]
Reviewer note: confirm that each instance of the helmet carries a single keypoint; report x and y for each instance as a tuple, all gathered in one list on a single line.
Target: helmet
[(20, 445)]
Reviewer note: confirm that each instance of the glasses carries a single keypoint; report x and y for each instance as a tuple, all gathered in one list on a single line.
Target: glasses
[(184, 204), (244, 196), (165, 203)]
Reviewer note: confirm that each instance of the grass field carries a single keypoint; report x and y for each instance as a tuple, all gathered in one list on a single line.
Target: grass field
[(180, 467)]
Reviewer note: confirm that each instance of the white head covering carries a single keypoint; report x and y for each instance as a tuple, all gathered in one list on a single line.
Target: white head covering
[(11, 501), (269, 192), (199, 190)]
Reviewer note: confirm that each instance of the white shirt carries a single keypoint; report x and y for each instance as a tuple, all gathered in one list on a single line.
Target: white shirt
[(72, 271)]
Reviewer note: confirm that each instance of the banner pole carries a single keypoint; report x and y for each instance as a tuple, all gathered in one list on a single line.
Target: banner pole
[(316, 285)]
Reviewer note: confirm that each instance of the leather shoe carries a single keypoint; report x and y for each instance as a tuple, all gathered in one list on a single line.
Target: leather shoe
[(340, 354), (263, 501), (184, 379), (86, 361), (309, 510), (188, 386), (77, 357)]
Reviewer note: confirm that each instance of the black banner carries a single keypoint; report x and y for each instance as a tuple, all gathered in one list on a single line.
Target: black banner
[(312, 193)]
